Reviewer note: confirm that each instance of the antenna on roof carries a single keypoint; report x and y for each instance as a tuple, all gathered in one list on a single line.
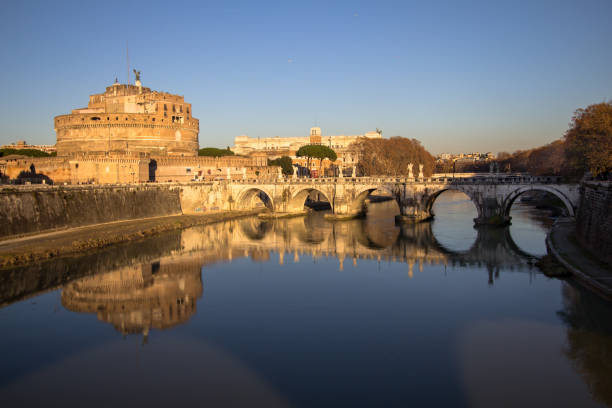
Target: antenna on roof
[(127, 54)]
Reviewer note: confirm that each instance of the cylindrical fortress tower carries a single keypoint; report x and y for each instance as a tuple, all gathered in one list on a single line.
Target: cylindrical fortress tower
[(129, 119)]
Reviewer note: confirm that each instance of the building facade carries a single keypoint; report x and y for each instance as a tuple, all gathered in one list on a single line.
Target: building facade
[(274, 147), (245, 145)]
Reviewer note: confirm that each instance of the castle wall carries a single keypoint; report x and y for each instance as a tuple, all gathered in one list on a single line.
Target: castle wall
[(204, 168), (35, 209), (100, 132), (135, 168), (56, 168), (109, 170)]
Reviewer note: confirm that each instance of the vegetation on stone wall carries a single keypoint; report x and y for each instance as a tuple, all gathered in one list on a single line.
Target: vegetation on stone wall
[(285, 163), (320, 152), (390, 157), (215, 152), (26, 152)]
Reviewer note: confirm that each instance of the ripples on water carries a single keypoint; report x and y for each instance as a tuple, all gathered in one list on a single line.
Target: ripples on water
[(304, 312)]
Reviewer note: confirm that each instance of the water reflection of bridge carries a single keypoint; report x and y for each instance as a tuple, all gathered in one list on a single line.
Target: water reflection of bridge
[(156, 285), (361, 239)]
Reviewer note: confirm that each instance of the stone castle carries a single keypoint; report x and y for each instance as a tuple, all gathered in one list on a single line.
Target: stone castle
[(129, 134), (128, 119)]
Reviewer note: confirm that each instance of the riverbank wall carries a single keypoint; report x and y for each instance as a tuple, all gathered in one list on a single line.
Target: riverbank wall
[(594, 219), (38, 209)]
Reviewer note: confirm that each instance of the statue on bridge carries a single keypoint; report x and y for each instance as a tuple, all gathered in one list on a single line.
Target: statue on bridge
[(354, 172), (421, 171), (280, 173), (410, 170), (294, 176)]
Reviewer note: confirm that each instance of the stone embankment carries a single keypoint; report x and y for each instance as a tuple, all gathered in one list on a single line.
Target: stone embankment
[(584, 245), (594, 219), (32, 210), (36, 209), (43, 222), (41, 247)]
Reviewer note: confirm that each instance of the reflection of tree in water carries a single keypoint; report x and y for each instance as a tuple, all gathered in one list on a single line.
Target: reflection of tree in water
[(589, 339)]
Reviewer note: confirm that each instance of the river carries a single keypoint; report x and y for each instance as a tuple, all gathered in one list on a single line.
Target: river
[(304, 312)]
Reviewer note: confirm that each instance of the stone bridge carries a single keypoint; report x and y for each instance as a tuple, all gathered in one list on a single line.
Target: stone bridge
[(492, 194)]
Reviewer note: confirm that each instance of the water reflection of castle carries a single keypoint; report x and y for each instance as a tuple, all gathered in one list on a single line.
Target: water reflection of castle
[(135, 299)]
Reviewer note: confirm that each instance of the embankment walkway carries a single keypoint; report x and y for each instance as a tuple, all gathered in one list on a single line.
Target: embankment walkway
[(584, 266)]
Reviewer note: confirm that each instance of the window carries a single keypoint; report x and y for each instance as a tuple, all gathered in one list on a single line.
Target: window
[(173, 108), (181, 108), (165, 107)]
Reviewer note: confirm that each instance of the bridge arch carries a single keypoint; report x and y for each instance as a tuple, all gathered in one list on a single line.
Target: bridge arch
[(247, 199), (516, 193), (358, 203), (298, 199), (432, 198)]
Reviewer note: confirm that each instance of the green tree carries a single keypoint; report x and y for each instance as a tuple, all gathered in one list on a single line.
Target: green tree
[(25, 152), (316, 152), (285, 163), (588, 141), (215, 152)]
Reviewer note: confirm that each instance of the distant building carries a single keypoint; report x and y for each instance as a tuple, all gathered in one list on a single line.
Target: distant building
[(274, 147), (22, 145)]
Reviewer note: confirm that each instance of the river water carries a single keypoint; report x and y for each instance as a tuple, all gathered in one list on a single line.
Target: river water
[(304, 312)]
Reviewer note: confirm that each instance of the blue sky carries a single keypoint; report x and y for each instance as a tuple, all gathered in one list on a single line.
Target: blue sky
[(459, 76)]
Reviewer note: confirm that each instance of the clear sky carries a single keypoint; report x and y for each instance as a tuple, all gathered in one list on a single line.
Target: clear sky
[(457, 75)]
